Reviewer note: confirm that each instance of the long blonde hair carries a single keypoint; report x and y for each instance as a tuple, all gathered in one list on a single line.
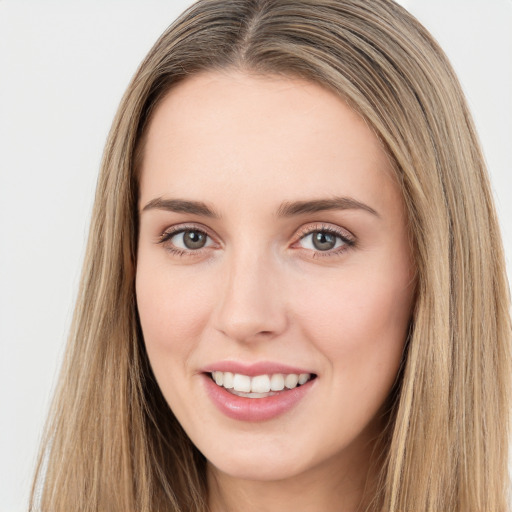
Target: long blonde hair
[(111, 441)]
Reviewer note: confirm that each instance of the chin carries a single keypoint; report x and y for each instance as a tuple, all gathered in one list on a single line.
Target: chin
[(260, 459), (257, 469)]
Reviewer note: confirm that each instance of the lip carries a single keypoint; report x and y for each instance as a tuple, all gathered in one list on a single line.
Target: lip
[(253, 369), (255, 409)]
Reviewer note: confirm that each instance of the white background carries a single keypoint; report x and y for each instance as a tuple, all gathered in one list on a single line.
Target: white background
[(63, 68)]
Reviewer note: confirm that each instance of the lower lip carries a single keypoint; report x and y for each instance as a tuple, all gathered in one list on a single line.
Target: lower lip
[(255, 409)]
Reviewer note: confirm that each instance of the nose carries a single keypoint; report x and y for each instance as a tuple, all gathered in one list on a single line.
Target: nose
[(252, 305)]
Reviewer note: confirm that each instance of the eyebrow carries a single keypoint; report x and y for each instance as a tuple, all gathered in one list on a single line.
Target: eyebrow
[(286, 209), (289, 209), (181, 206)]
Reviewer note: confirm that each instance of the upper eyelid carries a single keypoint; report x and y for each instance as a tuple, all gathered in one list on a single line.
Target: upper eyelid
[(180, 228), (299, 233), (170, 232), (322, 226)]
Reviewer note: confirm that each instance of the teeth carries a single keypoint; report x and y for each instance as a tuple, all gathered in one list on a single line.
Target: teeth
[(228, 380), (277, 382), (242, 383), (260, 385), (252, 395), (291, 380), (303, 378)]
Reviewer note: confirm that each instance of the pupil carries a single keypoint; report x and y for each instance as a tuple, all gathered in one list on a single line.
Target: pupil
[(194, 239), (323, 241)]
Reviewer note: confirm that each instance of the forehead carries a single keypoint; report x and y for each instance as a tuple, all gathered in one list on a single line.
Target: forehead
[(247, 136)]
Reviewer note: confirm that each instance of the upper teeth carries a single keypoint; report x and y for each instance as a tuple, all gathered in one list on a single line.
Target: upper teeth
[(259, 383)]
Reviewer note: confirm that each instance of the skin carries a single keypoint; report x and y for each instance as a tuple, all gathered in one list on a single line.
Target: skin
[(259, 290)]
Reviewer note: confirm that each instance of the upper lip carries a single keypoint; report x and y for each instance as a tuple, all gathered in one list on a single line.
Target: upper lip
[(253, 369)]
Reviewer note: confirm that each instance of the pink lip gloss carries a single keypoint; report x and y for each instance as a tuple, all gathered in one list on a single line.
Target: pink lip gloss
[(255, 409)]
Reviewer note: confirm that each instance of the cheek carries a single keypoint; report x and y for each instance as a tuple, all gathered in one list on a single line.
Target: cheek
[(360, 323), (172, 312)]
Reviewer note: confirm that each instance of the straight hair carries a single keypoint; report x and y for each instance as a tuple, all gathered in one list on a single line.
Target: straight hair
[(111, 441)]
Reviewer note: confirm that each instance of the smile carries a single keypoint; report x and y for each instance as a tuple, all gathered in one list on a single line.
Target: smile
[(277, 392), (259, 386)]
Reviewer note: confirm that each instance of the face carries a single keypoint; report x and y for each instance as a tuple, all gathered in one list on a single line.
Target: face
[(273, 258)]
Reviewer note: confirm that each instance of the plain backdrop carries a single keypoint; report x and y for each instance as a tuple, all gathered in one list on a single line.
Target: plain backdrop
[(63, 68)]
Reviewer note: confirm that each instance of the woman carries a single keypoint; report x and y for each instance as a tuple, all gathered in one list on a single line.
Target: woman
[(294, 294)]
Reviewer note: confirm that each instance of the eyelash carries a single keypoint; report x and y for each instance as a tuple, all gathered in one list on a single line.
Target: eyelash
[(348, 240), (170, 233)]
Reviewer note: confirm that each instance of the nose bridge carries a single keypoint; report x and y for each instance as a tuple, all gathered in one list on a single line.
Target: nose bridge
[(252, 303)]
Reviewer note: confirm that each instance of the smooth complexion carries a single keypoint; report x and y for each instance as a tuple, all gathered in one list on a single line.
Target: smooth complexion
[(240, 175)]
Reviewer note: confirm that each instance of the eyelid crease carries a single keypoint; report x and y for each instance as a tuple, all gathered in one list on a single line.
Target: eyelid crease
[(349, 240), (344, 234), (172, 231), (169, 232)]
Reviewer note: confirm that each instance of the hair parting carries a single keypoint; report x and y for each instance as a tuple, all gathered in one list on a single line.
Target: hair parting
[(111, 441)]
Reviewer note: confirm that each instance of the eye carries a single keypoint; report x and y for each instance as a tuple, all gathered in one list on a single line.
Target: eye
[(190, 239), (184, 240), (328, 240), (321, 241)]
